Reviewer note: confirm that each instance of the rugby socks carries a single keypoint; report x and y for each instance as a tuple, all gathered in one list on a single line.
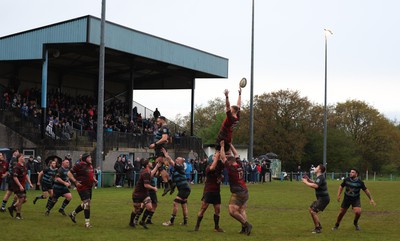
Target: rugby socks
[(77, 210), (64, 204), (49, 202), (146, 214), (131, 221), (50, 205), (87, 214), (3, 204), (138, 215), (149, 218), (199, 218), (216, 221), (185, 220), (172, 219)]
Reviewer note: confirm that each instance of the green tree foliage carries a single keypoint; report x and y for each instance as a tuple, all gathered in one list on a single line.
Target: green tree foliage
[(289, 125)]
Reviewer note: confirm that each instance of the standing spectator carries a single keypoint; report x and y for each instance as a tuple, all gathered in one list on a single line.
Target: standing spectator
[(188, 170), (38, 169), (82, 175), (30, 165), (118, 167), (123, 167), (136, 169), (264, 169), (156, 114), (129, 173), (253, 172), (97, 173)]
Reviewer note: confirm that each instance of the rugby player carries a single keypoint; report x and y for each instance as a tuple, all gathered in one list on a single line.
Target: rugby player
[(141, 196), (353, 185), (179, 177), (10, 181), (160, 140), (82, 175), (61, 188), (212, 189), (322, 194), (46, 181), (238, 188)]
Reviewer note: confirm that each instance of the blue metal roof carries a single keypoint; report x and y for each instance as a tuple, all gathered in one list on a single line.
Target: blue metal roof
[(29, 45)]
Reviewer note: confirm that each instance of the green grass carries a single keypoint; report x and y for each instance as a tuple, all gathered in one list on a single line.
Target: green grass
[(277, 210)]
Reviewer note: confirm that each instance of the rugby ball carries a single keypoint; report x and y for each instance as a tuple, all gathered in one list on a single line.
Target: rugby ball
[(243, 82)]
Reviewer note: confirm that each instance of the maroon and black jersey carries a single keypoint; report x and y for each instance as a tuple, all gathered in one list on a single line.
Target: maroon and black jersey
[(225, 133), (84, 174), (20, 171), (140, 190), (3, 167), (213, 178), (236, 177)]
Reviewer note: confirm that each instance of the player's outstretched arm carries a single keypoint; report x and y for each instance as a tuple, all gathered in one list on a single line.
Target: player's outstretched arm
[(239, 101), (371, 200), (339, 193), (216, 157), (169, 159), (234, 151), (222, 152), (227, 104)]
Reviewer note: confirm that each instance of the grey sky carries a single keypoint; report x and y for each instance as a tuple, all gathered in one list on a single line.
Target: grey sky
[(363, 53)]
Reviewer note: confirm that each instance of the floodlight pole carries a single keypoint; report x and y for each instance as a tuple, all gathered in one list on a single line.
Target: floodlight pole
[(327, 31), (251, 117), (100, 101)]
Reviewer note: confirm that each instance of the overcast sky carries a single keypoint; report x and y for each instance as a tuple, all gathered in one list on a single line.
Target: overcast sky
[(363, 53)]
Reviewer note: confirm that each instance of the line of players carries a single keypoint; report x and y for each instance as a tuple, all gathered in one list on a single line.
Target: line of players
[(55, 183), (226, 156)]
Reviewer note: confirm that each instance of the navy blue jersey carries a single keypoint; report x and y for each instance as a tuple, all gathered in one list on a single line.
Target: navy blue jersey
[(353, 187), (48, 175), (62, 173), (179, 176), (161, 131)]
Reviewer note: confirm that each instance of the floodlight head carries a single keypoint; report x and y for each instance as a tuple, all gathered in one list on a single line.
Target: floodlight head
[(328, 31)]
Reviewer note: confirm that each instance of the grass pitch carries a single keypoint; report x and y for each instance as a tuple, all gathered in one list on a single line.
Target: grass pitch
[(277, 211)]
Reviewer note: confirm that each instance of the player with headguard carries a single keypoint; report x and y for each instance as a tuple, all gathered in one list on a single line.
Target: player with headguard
[(160, 140), (212, 191), (140, 195), (238, 188)]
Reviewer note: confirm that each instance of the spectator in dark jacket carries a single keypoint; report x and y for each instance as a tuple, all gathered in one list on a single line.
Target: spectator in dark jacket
[(119, 169)]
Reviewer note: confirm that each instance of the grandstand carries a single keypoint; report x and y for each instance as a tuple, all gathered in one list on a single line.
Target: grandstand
[(48, 88)]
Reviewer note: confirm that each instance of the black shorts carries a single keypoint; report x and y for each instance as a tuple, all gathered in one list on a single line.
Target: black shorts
[(183, 193), (354, 202), (58, 192), (212, 197), (85, 194), (320, 204), (153, 197), (20, 194), (46, 186), (140, 199), (10, 184), (158, 152)]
